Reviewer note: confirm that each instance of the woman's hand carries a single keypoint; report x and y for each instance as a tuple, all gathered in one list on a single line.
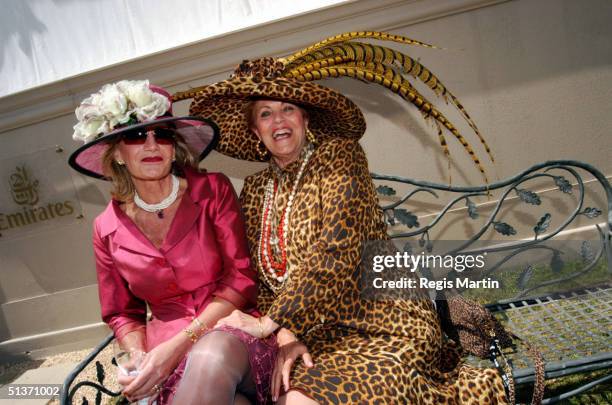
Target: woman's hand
[(156, 367), (258, 327), (123, 379), (290, 348)]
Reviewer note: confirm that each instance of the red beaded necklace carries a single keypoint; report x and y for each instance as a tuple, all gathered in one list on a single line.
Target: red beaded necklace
[(266, 254), (268, 266)]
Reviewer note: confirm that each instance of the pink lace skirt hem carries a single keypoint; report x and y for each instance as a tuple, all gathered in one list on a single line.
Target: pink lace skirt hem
[(262, 357)]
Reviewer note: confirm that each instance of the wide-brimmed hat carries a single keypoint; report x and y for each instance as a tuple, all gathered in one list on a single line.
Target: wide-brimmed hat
[(127, 106), (338, 56), (330, 114)]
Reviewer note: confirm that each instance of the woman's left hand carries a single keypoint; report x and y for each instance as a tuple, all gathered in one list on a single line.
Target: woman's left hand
[(289, 350), (258, 327), (155, 369)]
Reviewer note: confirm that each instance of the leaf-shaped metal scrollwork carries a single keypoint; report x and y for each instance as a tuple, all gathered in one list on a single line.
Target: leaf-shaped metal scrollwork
[(586, 252), (563, 184), (425, 242), (591, 212), (471, 207), (97, 387), (389, 217), (101, 376), (528, 196), (504, 228), (525, 277), (69, 391), (100, 373), (385, 190), (406, 217), (544, 230), (542, 224), (556, 263)]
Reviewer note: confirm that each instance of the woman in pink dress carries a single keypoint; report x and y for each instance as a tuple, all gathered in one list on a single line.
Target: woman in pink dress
[(173, 238)]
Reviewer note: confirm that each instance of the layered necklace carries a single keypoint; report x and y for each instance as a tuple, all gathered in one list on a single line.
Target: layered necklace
[(163, 204), (271, 268)]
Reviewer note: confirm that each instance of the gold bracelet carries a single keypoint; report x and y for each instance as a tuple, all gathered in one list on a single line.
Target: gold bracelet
[(261, 328), (192, 335), (200, 327), (196, 333)]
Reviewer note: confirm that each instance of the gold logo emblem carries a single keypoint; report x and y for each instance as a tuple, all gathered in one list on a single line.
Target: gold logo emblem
[(24, 189)]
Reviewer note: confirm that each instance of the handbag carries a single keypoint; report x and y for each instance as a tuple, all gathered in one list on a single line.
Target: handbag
[(479, 333)]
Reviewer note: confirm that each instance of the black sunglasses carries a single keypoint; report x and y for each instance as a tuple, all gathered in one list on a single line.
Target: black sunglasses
[(163, 136)]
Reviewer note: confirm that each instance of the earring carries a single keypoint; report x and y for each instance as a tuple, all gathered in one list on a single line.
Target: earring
[(262, 151), (310, 136), (120, 162)]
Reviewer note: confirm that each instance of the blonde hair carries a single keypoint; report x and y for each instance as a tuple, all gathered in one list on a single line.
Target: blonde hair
[(122, 185)]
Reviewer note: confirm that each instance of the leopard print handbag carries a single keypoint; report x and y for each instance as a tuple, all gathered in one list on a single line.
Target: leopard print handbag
[(478, 332)]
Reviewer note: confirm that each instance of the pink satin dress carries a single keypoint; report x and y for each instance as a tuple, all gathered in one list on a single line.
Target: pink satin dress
[(204, 255)]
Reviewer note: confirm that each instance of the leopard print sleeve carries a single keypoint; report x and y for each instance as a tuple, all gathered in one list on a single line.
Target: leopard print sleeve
[(316, 288)]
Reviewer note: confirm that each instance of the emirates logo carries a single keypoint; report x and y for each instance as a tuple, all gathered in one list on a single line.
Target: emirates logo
[(24, 188)]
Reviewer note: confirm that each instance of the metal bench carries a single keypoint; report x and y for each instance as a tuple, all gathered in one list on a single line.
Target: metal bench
[(567, 314), (572, 331)]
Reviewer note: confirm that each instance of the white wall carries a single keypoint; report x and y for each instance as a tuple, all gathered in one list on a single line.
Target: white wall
[(535, 75), (43, 41)]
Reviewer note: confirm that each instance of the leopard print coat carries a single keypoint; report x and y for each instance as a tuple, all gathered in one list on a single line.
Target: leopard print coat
[(365, 351)]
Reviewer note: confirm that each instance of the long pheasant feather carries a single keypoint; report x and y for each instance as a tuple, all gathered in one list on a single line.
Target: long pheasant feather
[(389, 79), (347, 36), (343, 56), (357, 51)]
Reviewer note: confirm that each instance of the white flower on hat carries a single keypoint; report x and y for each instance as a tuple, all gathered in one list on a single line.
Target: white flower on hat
[(147, 105), (157, 107), (89, 108), (113, 102), (88, 130), (91, 119), (116, 104), (137, 91)]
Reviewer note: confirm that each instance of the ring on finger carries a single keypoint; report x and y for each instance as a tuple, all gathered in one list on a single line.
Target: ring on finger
[(156, 388)]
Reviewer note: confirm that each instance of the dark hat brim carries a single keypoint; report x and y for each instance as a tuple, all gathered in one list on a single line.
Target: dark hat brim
[(200, 134)]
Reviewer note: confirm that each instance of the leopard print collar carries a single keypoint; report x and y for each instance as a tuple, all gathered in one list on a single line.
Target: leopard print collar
[(289, 171)]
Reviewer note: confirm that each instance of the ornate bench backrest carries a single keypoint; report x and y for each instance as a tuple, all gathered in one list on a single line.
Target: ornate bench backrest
[(499, 218)]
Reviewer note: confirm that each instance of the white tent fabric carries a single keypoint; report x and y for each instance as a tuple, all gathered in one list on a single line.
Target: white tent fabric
[(49, 40)]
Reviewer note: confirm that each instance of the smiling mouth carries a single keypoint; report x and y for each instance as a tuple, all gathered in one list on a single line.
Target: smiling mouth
[(154, 159), (281, 134)]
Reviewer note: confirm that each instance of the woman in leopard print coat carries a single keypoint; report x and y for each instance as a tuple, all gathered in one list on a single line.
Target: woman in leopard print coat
[(308, 216)]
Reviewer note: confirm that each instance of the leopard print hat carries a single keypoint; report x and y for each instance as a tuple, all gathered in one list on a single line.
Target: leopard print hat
[(330, 114)]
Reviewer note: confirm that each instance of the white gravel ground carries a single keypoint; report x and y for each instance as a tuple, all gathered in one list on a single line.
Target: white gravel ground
[(11, 371)]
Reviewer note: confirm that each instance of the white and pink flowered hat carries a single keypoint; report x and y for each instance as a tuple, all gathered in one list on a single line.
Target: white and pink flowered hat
[(131, 105)]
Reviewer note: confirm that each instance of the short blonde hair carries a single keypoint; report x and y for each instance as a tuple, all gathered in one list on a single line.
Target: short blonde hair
[(122, 185)]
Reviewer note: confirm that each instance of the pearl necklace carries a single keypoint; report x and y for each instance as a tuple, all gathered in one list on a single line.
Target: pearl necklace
[(267, 265), (163, 204)]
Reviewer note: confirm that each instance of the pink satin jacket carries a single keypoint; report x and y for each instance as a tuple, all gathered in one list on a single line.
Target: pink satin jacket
[(204, 255)]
